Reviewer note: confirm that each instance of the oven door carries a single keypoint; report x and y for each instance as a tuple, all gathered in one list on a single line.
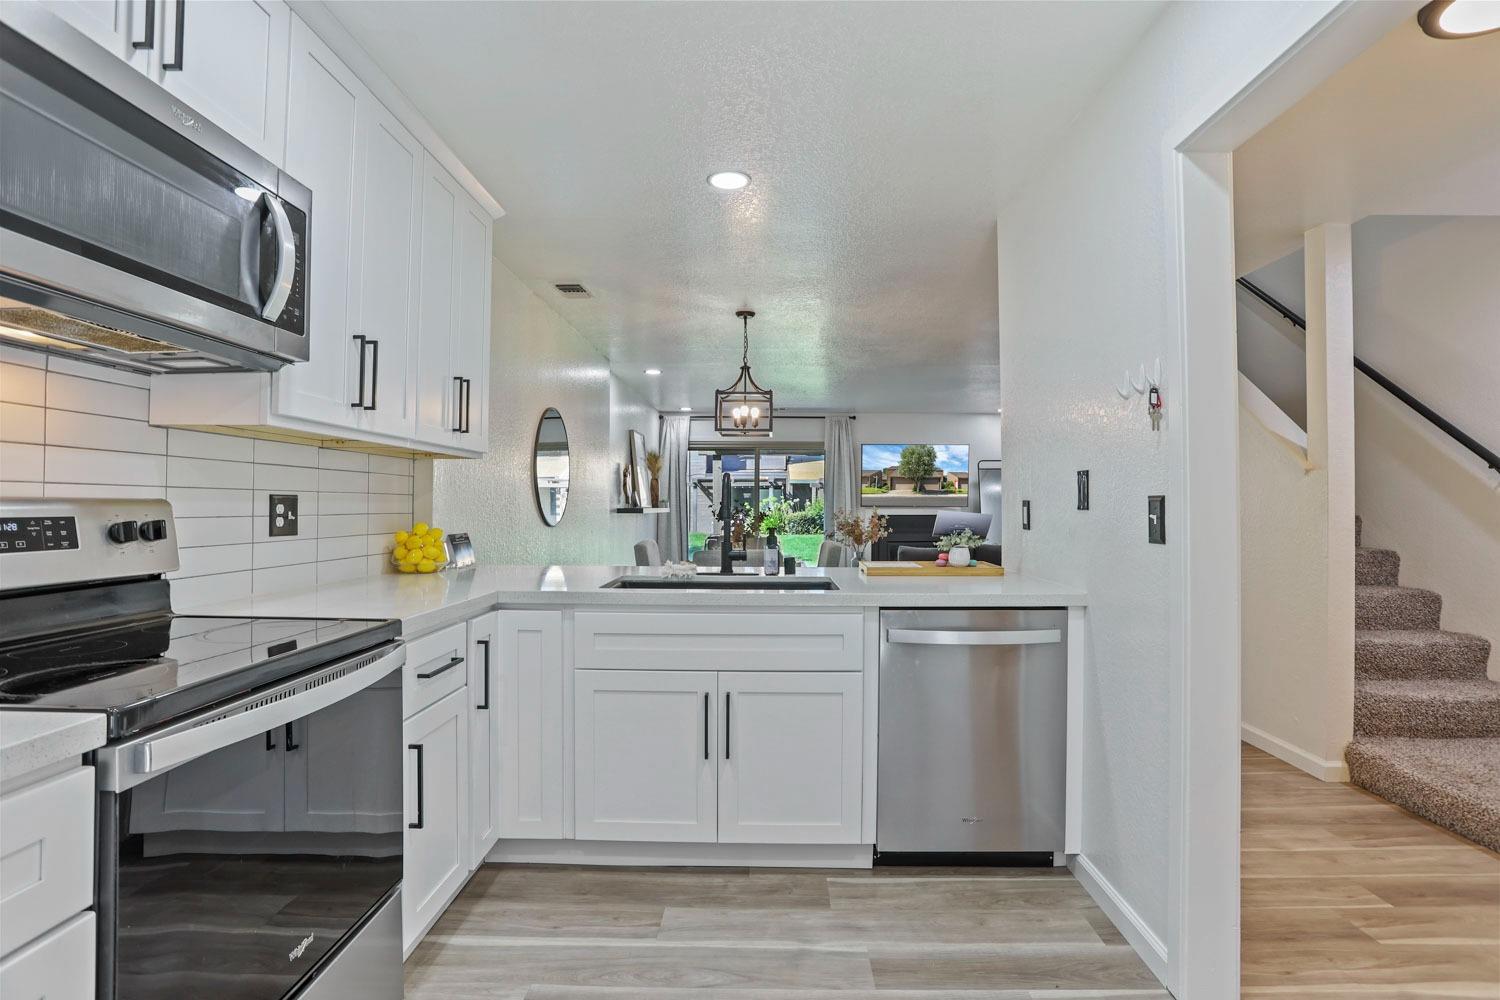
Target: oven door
[(241, 852), (132, 226)]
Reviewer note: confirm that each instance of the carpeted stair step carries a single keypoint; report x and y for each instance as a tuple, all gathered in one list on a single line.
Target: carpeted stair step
[(1419, 653), (1454, 783), (1441, 709), (1376, 567), (1396, 607)]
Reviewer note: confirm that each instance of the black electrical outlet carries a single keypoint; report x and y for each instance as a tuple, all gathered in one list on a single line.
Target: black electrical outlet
[(1156, 519), (283, 514), (1025, 515), (1083, 489)]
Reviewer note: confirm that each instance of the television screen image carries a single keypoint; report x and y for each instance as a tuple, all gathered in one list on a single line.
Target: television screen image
[(914, 475)]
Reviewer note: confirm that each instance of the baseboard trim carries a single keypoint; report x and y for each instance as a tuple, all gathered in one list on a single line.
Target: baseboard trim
[(1323, 770), (607, 852), (1129, 923)]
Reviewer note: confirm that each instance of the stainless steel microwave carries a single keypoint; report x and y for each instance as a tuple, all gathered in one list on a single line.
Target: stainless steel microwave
[(132, 231)]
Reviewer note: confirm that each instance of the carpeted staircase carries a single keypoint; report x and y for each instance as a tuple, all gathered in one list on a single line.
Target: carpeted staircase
[(1426, 716)]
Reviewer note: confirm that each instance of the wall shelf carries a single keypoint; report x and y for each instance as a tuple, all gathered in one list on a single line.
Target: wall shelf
[(641, 510)]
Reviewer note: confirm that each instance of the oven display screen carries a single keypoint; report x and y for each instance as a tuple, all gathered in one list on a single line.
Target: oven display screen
[(38, 534)]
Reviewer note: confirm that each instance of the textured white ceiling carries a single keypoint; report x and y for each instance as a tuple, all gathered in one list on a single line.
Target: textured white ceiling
[(1409, 127), (881, 138)]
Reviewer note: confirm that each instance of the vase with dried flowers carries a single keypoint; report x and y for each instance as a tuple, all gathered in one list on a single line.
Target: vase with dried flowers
[(859, 532), (653, 467)]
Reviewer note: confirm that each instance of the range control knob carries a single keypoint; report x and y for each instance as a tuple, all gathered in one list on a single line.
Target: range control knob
[(153, 531), (123, 531)]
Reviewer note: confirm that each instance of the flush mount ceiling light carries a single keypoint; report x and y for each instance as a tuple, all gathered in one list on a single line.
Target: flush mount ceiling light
[(1460, 18), (743, 409), (652, 371), (729, 180)]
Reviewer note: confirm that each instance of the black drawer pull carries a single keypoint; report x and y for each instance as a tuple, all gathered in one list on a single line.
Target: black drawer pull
[(458, 404), (359, 404), (441, 670), (485, 704), (418, 748), (726, 725), (374, 371), (706, 749)]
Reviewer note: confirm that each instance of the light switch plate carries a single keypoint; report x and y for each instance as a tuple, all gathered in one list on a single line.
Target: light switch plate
[(1156, 519), (1083, 489), (1025, 515), (282, 515)]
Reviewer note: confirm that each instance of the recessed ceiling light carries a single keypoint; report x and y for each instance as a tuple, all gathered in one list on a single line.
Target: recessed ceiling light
[(1460, 18), (729, 180), (653, 371), (686, 409)]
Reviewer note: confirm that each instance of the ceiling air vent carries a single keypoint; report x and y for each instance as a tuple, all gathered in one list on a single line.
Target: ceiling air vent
[(571, 290)]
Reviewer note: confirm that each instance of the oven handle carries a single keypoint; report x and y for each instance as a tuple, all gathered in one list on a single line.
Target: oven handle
[(286, 258), (128, 764)]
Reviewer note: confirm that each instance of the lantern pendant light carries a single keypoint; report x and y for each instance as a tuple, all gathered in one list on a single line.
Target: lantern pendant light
[(743, 409)]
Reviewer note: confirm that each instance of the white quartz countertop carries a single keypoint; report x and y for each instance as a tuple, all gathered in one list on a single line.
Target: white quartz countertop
[(427, 602), (31, 740)]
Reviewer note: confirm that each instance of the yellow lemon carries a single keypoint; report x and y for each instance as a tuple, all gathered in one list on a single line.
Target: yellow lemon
[(413, 556), (432, 552), (399, 551), (401, 537), (420, 528), (407, 567), (426, 566), (434, 533)]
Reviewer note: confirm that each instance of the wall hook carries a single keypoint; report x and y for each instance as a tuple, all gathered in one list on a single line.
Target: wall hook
[(1124, 387), (1140, 386)]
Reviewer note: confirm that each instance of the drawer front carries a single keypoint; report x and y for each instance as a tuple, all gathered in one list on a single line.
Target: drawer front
[(434, 667), (750, 641), (59, 966), (46, 856)]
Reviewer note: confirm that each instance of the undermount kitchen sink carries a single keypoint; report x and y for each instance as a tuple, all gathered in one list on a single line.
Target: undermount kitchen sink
[(715, 581)]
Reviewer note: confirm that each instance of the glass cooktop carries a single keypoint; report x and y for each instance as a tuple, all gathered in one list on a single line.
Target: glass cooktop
[(148, 672)]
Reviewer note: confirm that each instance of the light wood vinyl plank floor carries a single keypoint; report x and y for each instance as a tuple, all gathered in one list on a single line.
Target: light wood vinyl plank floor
[(1347, 897), (554, 933)]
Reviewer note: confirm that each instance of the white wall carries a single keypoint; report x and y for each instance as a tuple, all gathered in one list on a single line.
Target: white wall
[(74, 429), (1085, 293), (537, 360), (1427, 314)]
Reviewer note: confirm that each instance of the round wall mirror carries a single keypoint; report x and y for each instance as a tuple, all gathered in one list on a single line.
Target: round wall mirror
[(550, 461)]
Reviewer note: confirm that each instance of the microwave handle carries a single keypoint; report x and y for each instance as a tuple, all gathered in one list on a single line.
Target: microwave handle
[(286, 260)]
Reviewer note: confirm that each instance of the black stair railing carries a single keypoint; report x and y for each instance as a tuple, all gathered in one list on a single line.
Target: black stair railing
[(1379, 378)]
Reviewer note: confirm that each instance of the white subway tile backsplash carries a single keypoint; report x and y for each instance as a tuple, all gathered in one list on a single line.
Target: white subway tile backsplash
[(99, 373), (390, 503), (104, 490), (192, 531), (285, 552), (343, 503), (89, 430), (286, 478), (22, 424), (88, 395), (337, 481), (20, 356), (197, 444), (280, 579), (200, 590), (23, 384), (382, 483), (344, 547), (392, 466), (260, 528), (342, 569), (209, 473), (388, 523), (10, 489), (192, 502), (282, 453), (208, 559), (120, 468), (336, 525), (349, 461), (21, 462)]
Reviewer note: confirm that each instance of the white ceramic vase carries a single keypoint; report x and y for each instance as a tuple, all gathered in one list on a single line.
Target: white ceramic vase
[(958, 555)]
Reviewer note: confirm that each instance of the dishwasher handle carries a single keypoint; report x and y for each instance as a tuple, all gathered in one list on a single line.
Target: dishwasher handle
[(973, 637)]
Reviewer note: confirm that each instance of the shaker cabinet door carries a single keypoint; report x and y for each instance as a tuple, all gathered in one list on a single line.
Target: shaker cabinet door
[(484, 735), (531, 725), (437, 813)]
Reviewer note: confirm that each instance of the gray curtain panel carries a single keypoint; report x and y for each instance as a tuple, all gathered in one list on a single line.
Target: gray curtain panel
[(672, 527), (840, 468)]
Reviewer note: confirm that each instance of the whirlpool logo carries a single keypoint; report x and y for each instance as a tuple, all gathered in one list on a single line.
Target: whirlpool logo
[(296, 952)]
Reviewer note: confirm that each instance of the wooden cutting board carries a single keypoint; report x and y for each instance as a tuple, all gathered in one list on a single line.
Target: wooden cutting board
[(928, 568)]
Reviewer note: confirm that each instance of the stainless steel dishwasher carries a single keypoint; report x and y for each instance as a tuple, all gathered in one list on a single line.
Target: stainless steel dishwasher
[(973, 712)]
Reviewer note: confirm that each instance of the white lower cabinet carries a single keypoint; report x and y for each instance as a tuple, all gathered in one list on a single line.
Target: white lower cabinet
[(644, 757), (437, 800), (531, 725), (484, 736), (742, 757), (57, 966), (792, 758)]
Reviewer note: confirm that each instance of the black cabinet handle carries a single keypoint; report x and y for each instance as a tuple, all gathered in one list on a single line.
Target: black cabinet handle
[(458, 404), (441, 670), (270, 740), (359, 403), (176, 62), (468, 394), (290, 743), (375, 371), (418, 748), (726, 725), (149, 42), (485, 704), (706, 750)]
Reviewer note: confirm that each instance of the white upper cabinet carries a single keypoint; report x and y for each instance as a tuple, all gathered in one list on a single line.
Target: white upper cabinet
[(121, 26), (228, 60), (472, 350), (324, 113)]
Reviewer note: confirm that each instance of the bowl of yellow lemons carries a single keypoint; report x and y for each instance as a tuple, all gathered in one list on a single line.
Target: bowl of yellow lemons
[(420, 550)]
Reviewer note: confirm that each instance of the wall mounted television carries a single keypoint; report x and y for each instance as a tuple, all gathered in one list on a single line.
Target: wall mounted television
[(914, 475)]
